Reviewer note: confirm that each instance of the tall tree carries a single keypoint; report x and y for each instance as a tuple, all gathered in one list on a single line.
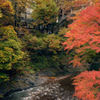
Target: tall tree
[(10, 46), (44, 12), (10, 51), (83, 34), (20, 7), (6, 12), (83, 37)]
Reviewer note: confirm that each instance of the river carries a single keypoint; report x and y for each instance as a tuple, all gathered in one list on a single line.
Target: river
[(59, 89)]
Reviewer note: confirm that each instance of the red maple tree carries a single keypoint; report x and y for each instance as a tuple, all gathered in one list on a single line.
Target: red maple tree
[(83, 36), (87, 85)]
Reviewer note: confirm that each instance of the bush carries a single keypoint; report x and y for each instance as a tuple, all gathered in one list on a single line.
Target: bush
[(10, 51), (45, 50)]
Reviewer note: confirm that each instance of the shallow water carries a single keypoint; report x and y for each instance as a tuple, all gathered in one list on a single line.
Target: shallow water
[(57, 90)]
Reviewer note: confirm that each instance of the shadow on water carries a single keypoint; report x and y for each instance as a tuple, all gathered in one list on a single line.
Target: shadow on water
[(66, 83), (65, 91)]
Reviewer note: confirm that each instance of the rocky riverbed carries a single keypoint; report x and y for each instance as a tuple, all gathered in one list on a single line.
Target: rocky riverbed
[(39, 86), (46, 89), (58, 90), (23, 82)]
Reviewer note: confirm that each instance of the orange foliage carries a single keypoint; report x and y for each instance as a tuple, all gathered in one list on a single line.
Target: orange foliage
[(6, 13), (87, 85), (5, 4), (84, 33), (83, 36)]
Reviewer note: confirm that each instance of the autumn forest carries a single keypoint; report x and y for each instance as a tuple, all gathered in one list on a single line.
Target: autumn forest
[(61, 34)]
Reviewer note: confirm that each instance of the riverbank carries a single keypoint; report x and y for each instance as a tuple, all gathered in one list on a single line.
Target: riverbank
[(59, 89), (23, 82)]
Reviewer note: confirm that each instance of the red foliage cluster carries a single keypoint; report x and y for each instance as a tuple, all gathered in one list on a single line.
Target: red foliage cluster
[(84, 33), (87, 85), (83, 36)]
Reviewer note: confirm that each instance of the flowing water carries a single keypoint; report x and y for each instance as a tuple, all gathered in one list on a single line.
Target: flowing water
[(57, 90)]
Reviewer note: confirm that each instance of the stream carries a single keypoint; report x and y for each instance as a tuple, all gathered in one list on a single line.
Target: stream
[(59, 89)]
